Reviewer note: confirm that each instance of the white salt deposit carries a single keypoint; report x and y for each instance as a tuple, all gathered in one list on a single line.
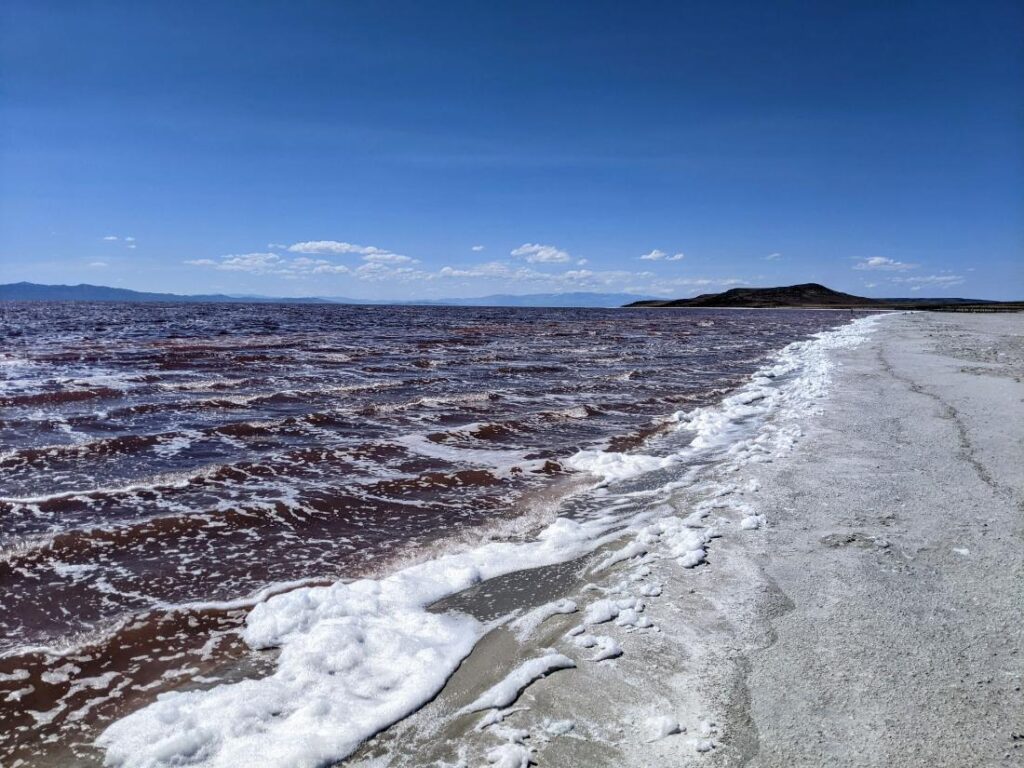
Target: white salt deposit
[(558, 727), (600, 611), (607, 648), (495, 716), (650, 590), (752, 522), (526, 624), (660, 727), (507, 691), (628, 552), (509, 756)]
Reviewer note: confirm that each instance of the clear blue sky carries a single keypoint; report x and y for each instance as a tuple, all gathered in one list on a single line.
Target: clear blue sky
[(404, 149)]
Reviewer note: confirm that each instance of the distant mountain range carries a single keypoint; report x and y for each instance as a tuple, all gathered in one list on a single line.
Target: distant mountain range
[(86, 292), (578, 299), (817, 296)]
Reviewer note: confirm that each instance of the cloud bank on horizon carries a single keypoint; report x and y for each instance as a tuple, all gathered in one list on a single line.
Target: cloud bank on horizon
[(380, 265)]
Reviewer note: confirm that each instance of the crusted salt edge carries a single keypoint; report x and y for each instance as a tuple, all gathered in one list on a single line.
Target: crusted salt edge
[(357, 657), (507, 691), (526, 624), (804, 366)]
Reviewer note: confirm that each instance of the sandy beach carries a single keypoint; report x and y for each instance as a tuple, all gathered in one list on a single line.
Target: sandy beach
[(859, 604)]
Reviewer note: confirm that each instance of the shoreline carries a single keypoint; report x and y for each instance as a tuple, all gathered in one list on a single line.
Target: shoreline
[(791, 646)]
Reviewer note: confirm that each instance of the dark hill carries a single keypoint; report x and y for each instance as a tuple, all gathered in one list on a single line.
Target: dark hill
[(817, 296), (805, 295)]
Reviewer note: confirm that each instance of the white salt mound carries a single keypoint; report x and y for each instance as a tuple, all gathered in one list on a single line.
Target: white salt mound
[(751, 522), (509, 756), (608, 648), (661, 726)]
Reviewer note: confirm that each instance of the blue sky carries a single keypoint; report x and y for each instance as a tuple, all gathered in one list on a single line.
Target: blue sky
[(411, 149)]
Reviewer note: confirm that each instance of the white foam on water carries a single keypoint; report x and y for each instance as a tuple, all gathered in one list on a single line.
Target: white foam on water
[(613, 467), (173, 445), (501, 462), (357, 657)]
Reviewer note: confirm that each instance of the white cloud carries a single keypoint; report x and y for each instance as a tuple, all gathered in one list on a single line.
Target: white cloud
[(492, 269), (377, 271), (334, 246), (477, 248), (584, 279), (377, 266), (537, 253), (97, 264), (773, 257), (330, 269), (128, 241), (882, 263), (257, 263), (945, 280), (679, 283), (388, 258), (302, 261), (659, 255), (577, 274)]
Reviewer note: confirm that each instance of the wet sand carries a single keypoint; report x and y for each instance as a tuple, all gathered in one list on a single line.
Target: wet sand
[(874, 618)]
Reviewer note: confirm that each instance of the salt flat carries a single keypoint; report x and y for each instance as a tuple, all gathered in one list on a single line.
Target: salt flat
[(896, 563)]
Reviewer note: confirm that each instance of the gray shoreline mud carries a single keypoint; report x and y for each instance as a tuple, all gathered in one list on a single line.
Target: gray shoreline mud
[(875, 618)]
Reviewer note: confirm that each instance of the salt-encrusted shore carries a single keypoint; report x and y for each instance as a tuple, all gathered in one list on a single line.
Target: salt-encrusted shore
[(874, 618), (893, 620)]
